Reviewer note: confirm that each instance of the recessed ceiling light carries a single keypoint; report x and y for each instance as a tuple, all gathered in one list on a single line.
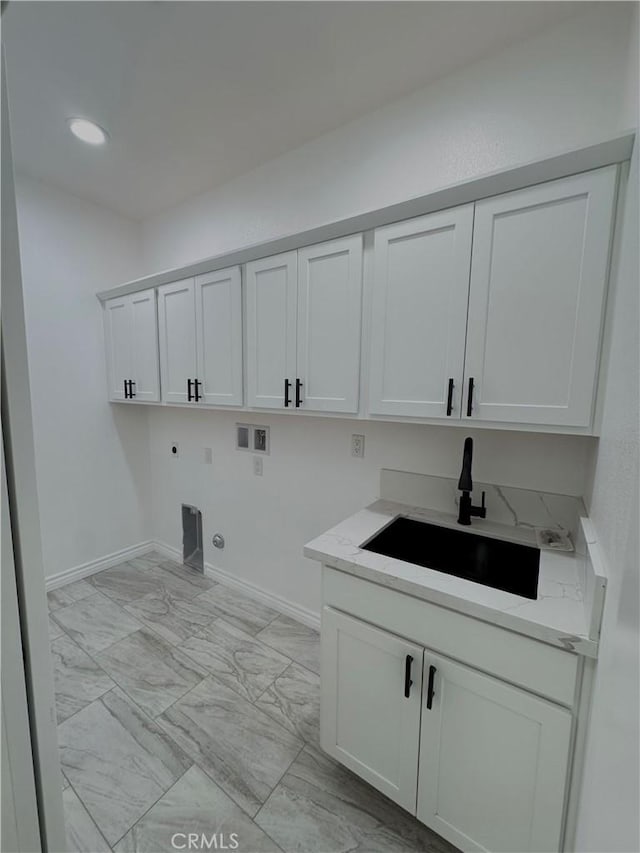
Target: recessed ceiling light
[(87, 131)]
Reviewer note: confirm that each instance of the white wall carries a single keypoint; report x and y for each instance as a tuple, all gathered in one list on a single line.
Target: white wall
[(311, 481), (557, 91), (608, 818), (91, 458)]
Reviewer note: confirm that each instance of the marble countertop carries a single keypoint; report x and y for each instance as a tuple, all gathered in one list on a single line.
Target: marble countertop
[(557, 616)]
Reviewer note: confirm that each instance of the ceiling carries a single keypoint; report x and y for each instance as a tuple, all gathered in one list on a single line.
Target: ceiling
[(196, 93)]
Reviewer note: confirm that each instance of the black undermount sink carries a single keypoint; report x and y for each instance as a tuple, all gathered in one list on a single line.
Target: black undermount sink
[(493, 562)]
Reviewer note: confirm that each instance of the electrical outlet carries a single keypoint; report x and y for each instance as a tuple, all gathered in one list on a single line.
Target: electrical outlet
[(257, 466), (208, 456), (357, 446), (175, 449)]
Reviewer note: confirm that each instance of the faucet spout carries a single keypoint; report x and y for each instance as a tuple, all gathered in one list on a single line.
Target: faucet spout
[(465, 483)]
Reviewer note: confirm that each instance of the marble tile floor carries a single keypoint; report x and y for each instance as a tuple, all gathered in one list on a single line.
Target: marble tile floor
[(184, 706)]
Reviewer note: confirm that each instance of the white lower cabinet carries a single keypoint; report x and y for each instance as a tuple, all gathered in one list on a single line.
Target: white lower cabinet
[(493, 761), (371, 704), (480, 761)]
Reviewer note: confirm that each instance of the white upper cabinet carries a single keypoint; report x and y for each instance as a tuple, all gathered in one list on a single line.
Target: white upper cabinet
[(219, 337), (329, 317), (144, 347), (493, 762), (370, 704), (303, 328), (272, 285), (419, 315), (176, 319), (131, 334), (538, 283), (117, 332)]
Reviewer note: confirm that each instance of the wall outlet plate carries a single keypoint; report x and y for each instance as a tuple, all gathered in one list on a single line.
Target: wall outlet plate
[(357, 446), (257, 466), (174, 448), (208, 456)]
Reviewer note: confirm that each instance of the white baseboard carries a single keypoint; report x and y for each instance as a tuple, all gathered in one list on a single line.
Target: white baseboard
[(277, 602), (93, 566)]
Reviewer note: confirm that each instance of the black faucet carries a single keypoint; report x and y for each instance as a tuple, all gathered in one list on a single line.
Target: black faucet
[(465, 484)]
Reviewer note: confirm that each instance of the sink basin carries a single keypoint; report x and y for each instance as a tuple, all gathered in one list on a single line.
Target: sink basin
[(508, 566)]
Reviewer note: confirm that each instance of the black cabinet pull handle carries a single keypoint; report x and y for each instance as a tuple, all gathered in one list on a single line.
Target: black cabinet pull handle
[(407, 676), (450, 398), (430, 689), (298, 395), (470, 398), (189, 394), (287, 385), (132, 393), (126, 390), (198, 395)]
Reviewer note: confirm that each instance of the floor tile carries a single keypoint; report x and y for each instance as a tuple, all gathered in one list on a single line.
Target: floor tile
[(293, 700), (83, 836), (64, 782), (239, 746), (118, 761), (173, 617), (239, 610), (78, 679), (295, 640), (197, 580), (63, 596), (55, 630), (320, 805), (150, 670), (195, 804), (125, 582), (95, 622), (235, 658)]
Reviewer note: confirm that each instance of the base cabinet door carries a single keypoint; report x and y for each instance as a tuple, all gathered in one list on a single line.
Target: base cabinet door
[(176, 321), (538, 282), (370, 704), (144, 347), (219, 337), (493, 762)]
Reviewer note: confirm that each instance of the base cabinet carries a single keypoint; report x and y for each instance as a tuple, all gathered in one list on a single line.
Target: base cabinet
[(493, 762), (483, 763)]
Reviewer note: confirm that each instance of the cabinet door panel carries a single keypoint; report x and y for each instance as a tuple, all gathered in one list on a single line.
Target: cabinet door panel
[(366, 722), (538, 281), (329, 315), (176, 312), (144, 346), (271, 329), (419, 314), (493, 762), (117, 327), (219, 336)]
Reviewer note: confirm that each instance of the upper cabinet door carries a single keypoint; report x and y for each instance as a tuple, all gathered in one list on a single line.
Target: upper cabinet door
[(271, 330), (419, 315), (370, 704), (176, 320), (538, 282), (493, 762), (117, 333), (219, 337), (144, 347), (329, 314)]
